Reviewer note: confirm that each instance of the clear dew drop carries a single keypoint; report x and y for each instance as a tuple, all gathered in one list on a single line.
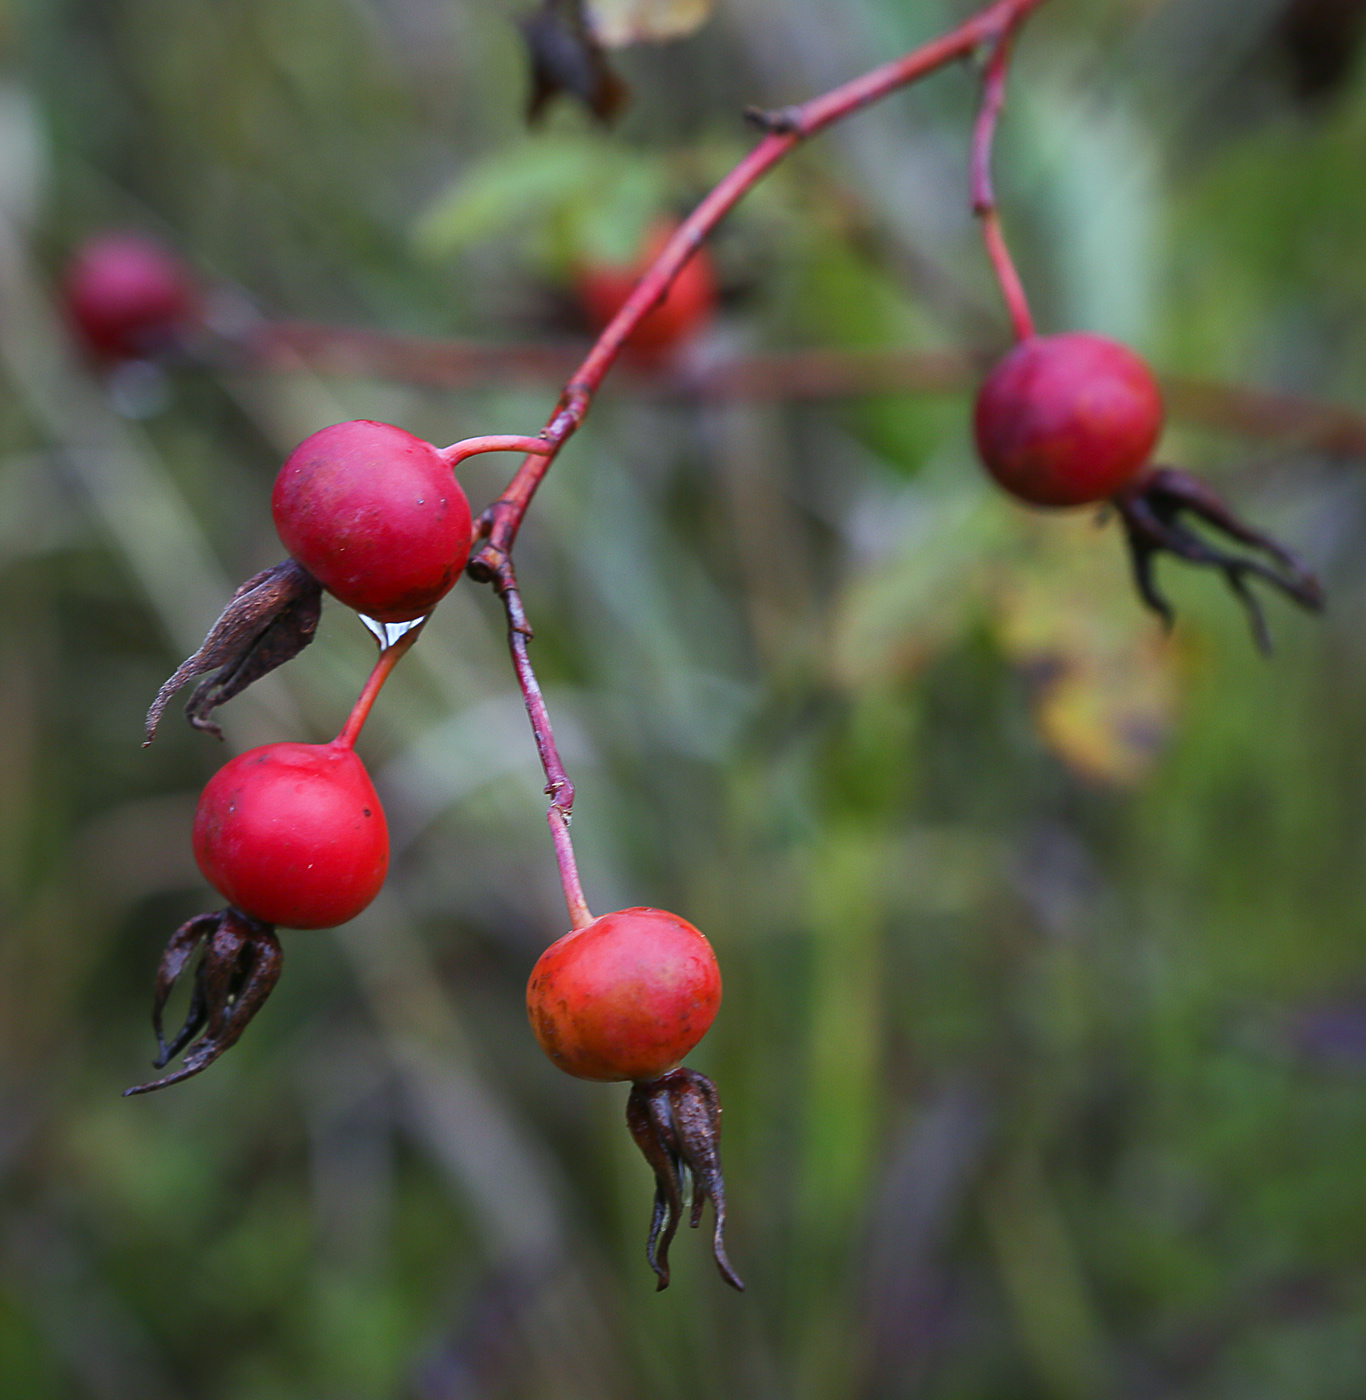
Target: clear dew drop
[(387, 633)]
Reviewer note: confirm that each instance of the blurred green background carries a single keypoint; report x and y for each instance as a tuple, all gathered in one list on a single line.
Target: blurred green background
[(1043, 1052)]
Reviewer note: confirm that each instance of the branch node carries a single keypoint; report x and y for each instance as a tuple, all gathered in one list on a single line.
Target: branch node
[(486, 565)]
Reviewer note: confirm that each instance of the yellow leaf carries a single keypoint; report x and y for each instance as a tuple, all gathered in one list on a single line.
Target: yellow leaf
[(1106, 678), (901, 611), (617, 23)]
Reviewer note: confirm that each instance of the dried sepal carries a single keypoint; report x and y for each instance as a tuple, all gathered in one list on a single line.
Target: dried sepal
[(239, 965), (1152, 507), (676, 1122), (567, 57), (269, 620)]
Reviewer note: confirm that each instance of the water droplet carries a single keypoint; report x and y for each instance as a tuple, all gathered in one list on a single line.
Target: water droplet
[(387, 633)]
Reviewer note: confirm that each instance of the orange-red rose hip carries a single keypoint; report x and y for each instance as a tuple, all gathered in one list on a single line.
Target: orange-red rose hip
[(625, 997), (683, 313)]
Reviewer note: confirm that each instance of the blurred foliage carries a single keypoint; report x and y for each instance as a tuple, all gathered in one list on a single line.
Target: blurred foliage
[(1045, 1020)]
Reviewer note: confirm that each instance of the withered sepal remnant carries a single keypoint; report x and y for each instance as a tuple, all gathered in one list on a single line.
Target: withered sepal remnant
[(238, 967), (268, 621), (567, 57), (1152, 506), (676, 1122)]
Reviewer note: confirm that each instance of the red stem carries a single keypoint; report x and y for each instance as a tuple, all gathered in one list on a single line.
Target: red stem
[(806, 374), (492, 442), (786, 130), (983, 193), (389, 657), (444, 363), (557, 785), (502, 520)]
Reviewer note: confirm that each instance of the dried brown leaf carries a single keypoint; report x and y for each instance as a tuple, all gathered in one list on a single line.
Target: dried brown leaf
[(269, 620), (567, 56)]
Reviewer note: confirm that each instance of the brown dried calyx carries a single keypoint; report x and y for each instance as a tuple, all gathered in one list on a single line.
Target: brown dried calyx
[(1152, 507), (268, 621), (566, 56), (239, 966), (676, 1122)]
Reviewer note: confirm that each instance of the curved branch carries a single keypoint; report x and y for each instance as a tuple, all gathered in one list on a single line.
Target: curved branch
[(983, 193), (791, 374), (785, 130)]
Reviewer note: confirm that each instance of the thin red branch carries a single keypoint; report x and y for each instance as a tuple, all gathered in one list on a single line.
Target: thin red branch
[(786, 130), (984, 194), (808, 374), (502, 520), (814, 374), (557, 785), (443, 364)]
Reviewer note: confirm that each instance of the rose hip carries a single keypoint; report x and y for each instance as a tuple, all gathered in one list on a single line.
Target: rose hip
[(625, 997), (376, 516), (127, 296), (293, 834), (684, 312), (1065, 420)]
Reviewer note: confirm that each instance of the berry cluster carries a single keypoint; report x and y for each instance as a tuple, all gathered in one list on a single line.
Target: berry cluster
[(294, 834)]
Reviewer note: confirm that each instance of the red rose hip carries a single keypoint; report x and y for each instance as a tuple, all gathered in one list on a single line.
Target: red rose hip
[(376, 516), (1064, 420), (684, 312), (625, 997), (293, 834), (127, 296)]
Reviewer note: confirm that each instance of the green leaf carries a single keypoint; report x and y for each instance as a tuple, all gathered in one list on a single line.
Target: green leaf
[(508, 188)]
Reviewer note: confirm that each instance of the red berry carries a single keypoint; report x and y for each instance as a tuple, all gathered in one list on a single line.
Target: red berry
[(1064, 420), (376, 516), (293, 834), (625, 997), (685, 311), (127, 296)]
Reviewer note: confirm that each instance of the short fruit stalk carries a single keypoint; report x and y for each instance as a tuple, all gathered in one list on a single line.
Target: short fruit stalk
[(1072, 419), (625, 997), (290, 834)]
